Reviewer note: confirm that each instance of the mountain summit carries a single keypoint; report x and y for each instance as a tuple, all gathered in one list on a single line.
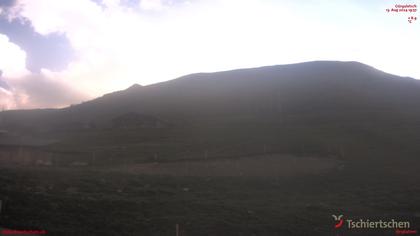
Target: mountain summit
[(317, 89), (324, 107)]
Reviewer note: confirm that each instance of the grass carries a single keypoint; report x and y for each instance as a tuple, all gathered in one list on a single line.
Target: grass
[(100, 202), (379, 181)]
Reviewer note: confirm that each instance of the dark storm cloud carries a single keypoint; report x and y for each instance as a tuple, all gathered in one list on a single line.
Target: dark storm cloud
[(41, 91), (52, 51)]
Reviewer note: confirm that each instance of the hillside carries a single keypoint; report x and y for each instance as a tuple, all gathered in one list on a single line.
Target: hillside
[(317, 108), (266, 151)]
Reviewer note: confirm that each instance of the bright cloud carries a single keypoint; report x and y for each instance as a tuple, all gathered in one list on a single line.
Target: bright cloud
[(12, 65), (22, 89), (151, 4), (12, 58)]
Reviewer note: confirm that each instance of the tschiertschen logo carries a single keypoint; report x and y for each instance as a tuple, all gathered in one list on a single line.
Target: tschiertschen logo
[(400, 227), (338, 221)]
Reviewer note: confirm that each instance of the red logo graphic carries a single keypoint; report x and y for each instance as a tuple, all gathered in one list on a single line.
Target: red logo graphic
[(339, 221), (411, 19)]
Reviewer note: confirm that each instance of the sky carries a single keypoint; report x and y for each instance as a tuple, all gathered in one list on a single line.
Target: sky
[(54, 53)]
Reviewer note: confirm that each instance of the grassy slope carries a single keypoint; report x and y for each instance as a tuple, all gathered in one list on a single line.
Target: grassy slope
[(86, 202)]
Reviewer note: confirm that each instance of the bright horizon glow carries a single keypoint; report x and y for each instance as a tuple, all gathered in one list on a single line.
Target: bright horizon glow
[(157, 40)]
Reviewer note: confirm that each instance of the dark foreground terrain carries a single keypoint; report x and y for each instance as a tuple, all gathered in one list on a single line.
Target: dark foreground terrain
[(85, 201)]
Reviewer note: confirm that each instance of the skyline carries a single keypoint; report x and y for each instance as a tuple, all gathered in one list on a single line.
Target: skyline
[(56, 53)]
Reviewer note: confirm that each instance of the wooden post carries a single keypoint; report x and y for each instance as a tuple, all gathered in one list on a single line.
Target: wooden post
[(177, 229)]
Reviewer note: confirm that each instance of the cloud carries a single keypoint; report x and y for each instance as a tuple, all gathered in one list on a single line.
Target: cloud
[(7, 3), (24, 48), (151, 4), (9, 8), (3, 84), (6, 97), (118, 43), (12, 58), (6, 6), (6, 100), (39, 90), (52, 51), (19, 88)]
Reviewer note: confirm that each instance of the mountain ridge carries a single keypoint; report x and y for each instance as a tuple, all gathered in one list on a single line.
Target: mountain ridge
[(346, 110), (307, 87)]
